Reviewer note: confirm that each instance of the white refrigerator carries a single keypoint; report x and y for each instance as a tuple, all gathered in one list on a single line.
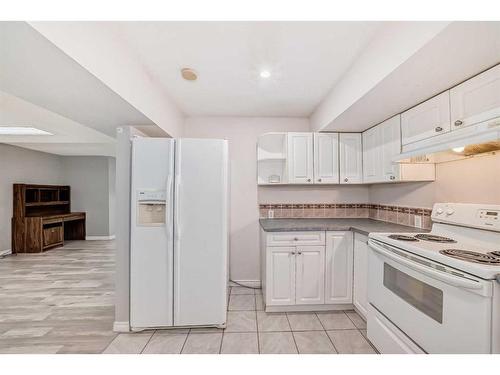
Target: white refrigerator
[(179, 232)]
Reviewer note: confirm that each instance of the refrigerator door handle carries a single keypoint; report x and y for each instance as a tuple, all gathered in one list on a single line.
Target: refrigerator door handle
[(177, 222), (167, 211)]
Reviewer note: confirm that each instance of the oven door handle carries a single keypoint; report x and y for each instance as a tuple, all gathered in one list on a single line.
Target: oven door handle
[(438, 275)]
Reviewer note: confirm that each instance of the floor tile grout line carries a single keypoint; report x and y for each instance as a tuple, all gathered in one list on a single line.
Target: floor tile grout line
[(326, 332), (150, 337), (293, 336), (185, 340), (257, 325)]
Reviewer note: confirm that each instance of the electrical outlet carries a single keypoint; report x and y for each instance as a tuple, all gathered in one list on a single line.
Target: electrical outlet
[(270, 214), (418, 221)]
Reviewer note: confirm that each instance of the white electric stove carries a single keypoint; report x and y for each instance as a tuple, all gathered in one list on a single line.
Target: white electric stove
[(438, 292)]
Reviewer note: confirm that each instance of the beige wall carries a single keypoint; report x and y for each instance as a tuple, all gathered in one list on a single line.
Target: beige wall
[(242, 135), (475, 180)]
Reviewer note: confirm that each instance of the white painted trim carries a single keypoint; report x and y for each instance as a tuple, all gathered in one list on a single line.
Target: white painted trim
[(302, 308), (100, 238), (5, 252), (251, 283), (121, 327)]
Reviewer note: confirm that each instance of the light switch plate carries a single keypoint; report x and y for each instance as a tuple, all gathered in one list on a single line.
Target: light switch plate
[(418, 221)]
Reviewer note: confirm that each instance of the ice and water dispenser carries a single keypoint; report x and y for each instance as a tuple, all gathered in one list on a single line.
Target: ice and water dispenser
[(151, 208)]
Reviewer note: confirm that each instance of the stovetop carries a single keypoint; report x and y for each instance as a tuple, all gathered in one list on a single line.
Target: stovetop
[(471, 255)]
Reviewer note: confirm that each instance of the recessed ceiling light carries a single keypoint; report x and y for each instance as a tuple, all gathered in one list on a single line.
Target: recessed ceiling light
[(22, 130), (458, 149), (189, 74), (265, 74)]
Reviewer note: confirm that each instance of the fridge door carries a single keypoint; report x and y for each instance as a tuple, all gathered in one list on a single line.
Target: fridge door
[(201, 232), (151, 233)]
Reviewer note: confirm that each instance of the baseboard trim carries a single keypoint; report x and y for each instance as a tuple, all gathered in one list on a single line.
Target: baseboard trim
[(250, 283), (121, 327), (5, 252), (304, 308), (100, 238)]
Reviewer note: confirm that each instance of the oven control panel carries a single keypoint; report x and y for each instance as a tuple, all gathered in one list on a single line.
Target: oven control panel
[(482, 216)]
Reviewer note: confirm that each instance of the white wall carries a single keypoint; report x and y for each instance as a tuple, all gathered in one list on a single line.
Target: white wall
[(475, 180), (242, 135), (88, 176)]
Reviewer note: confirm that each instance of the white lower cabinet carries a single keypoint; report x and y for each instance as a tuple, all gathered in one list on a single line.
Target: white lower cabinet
[(360, 289), (301, 275), (280, 276), (339, 260), (310, 275)]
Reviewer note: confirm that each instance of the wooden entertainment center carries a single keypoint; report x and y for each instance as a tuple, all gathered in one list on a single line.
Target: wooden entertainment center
[(43, 219)]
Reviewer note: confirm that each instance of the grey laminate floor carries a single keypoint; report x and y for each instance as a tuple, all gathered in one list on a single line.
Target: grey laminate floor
[(61, 301)]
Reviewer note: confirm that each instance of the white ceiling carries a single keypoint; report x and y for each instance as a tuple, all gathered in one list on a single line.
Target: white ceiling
[(32, 68), (461, 50), (305, 60)]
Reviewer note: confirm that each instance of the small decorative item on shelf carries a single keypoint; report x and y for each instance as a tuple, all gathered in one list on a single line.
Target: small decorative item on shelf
[(274, 179)]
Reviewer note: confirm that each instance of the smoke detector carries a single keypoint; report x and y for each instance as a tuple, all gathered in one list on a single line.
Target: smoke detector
[(189, 74)]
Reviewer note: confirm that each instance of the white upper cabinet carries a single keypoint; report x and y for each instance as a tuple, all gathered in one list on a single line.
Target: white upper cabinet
[(390, 138), (326, 158), (476, 100), (426, 120), (372, 169), (339, 267), (300, 158), (351, 168)]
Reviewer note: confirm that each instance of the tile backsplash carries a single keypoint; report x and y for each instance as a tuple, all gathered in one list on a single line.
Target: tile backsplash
[(393, 214)]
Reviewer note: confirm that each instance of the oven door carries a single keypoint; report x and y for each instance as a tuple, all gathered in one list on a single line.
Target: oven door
[(440, 309)]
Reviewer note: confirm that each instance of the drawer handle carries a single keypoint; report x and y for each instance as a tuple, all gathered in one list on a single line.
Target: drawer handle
[(308, 180), (292, 253), (392, 178), (458, 123), (299, 253), (295, 239), (319, 179), (346, 179), (438, 129)]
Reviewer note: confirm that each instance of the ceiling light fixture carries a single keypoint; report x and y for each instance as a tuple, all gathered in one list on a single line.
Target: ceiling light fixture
[(265, 74), (189, 74), (22, 130)]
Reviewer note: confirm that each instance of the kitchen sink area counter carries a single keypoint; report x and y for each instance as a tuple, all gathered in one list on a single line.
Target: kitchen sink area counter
[(360, 225)]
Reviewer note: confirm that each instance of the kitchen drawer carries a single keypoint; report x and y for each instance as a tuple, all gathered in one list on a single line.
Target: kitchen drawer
[(52, 234), (295, 238)]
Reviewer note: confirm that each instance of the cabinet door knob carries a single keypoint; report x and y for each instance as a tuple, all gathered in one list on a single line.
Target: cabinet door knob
[(392, 178), (299, 253), (308, 180), (346, 179), (438, 129), (292, 253), (295, 239), (319, 179), (458, 123)]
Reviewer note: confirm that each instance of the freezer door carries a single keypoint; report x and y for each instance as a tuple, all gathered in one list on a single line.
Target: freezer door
[(201, 232), (151, 233)]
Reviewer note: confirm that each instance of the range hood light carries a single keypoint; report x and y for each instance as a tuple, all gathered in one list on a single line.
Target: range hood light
[(458, 150)]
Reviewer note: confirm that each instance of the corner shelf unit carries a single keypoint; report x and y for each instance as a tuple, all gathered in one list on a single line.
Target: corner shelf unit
[(272, 159)]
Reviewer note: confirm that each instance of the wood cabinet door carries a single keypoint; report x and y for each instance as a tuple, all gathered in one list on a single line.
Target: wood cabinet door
[(372, 171), (300, 158), (360, 290), (280, 276), (390, 136), (310, 275), (351, 169), (426, 120), (339, 267), (326, 158), (476, 100)]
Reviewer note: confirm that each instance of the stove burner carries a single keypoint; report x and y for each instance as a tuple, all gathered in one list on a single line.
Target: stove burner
[(402, 237), (495, 253), (471, 256), (433, 238)]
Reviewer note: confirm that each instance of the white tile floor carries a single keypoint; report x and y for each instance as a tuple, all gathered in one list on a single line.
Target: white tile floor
[(251, 331)]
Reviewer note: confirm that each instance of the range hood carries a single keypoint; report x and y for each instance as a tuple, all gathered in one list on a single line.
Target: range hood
[(475, 139)]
